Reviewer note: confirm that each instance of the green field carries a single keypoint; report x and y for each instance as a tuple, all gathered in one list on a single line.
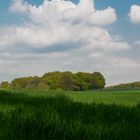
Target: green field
[(53, 115)]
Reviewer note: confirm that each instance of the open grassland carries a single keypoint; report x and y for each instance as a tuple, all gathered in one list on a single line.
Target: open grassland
[(53, 115)]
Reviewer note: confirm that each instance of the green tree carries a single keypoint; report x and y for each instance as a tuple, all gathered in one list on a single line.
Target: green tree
[(53, 79), (5, 85), (67, 81), (97, 81), (20, 83), (81, 81), (61, 80), (42, 86)]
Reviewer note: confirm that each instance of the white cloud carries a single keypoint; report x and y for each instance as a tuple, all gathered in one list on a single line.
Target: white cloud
[(56, 10), (61, 21), (96, 55), (124, 62), (135, 13), (19, 5), (45, 36), (137, 43), (106, 16)]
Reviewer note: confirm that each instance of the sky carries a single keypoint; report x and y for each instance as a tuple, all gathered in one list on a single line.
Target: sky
[(38, 36)]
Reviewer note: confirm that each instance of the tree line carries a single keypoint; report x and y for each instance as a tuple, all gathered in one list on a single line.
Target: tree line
[(126, 86), (67, 80)]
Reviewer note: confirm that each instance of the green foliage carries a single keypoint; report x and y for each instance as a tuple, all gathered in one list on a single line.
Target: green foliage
[(35, 115), (20, 83), (4, 85), (29, 83), (97, 81), (80, 81), (42, 86), (126, 86), (67, 81), (52, 79)]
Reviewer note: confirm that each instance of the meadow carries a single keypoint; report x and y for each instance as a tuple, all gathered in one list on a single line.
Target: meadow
[(59, 115)]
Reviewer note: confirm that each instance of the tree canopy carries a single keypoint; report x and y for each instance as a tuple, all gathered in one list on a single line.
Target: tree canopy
[(60, 81)]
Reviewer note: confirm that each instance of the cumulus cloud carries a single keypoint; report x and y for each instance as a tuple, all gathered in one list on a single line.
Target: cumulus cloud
[(57, 10), (19, 5), (75, 34), (96, 55), (124, 62), (62, 21), (134, 13), (45, 36)]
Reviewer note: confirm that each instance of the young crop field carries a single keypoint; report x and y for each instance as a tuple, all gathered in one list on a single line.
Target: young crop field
[(59, 115)]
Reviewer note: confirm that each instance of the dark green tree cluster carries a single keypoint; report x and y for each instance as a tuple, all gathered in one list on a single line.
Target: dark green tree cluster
[(29, 83), (74, 81), (5, 85), (61, 81)]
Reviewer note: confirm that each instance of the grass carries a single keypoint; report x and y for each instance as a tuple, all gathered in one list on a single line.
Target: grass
[(94, 115)]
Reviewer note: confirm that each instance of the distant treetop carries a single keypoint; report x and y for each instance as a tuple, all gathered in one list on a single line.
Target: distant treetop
[(67, 80)]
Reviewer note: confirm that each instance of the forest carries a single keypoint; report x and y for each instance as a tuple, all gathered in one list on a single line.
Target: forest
[(67, 81)]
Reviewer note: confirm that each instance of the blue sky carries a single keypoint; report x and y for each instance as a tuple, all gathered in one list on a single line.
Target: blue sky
[(123, 25), (113, 24)]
